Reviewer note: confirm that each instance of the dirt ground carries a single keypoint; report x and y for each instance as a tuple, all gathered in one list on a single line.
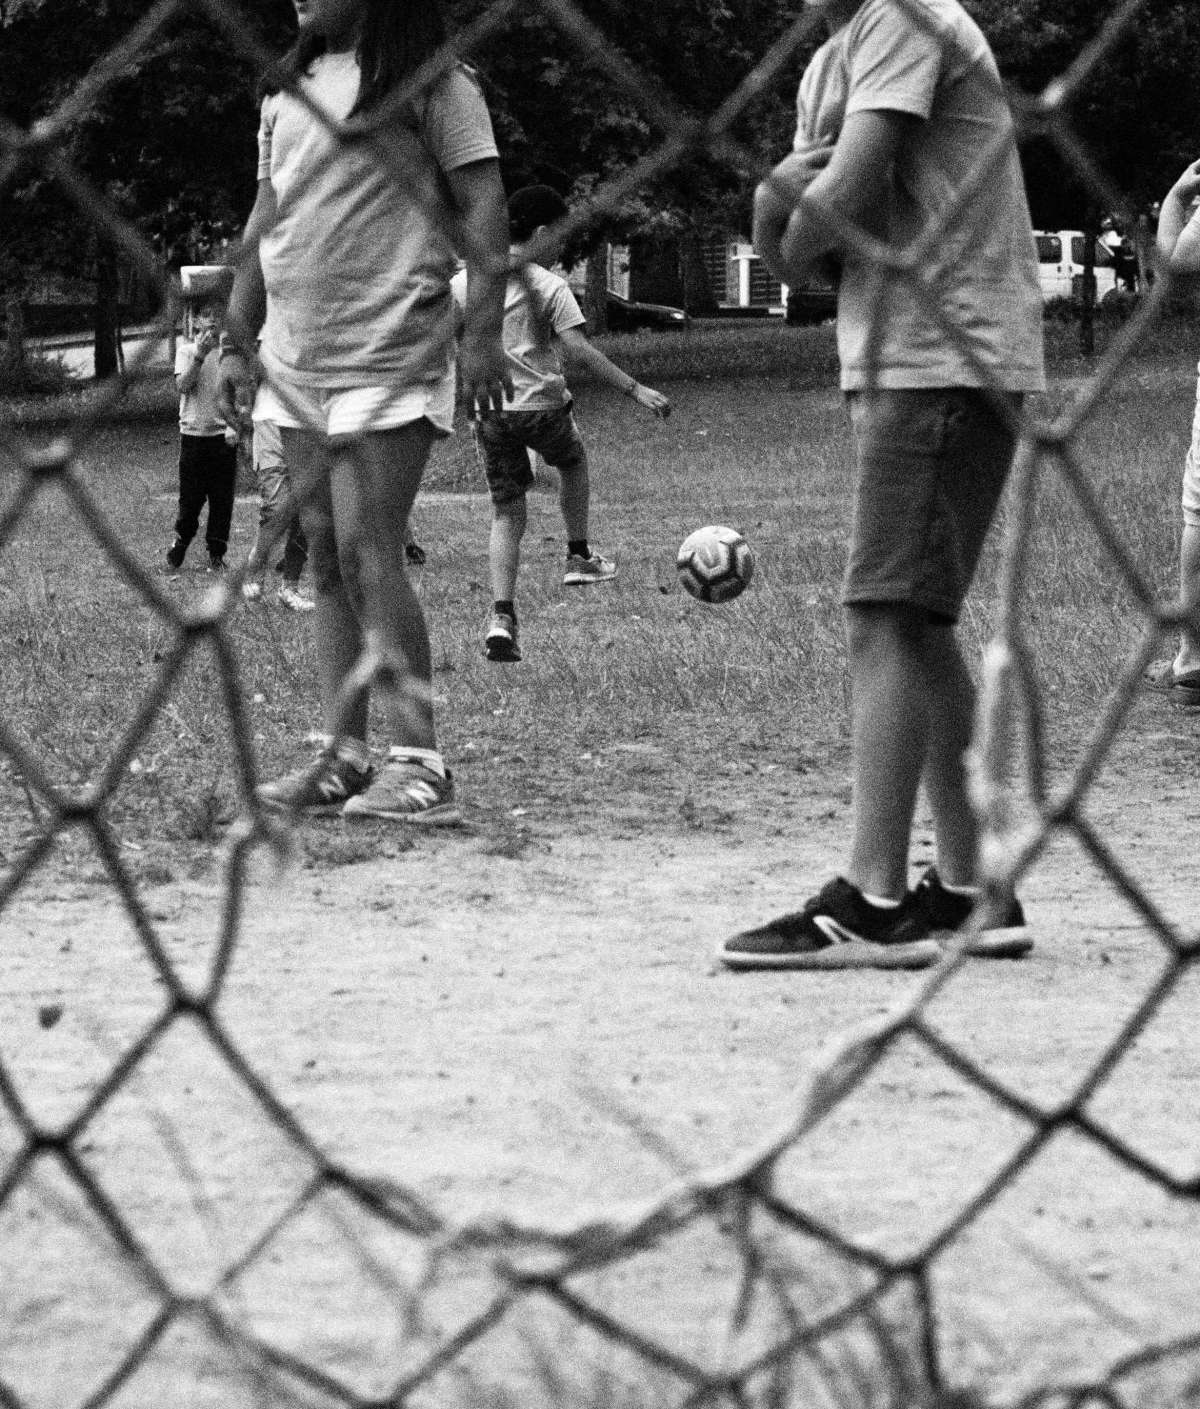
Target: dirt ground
[(524, 1015)]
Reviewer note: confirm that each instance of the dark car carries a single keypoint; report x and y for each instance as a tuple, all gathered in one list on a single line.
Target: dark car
[(813, 302), (627, 315)]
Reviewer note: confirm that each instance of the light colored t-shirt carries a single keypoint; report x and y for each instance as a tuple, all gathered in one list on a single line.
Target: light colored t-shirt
[(357, 265), (537, 305), (934, 65), (198, 408)]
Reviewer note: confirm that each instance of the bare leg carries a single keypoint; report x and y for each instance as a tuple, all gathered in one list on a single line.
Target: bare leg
[(913, 719), (573, 500), (890, 727), (951, 725), (338, 634), (374, 482), (1188, 656), (504, 547)]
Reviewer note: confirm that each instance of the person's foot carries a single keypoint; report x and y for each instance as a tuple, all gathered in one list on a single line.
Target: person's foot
[(1180, 687), (836, 929), (581, 571), (291, 597), (501, 641), (407, 791), (217, 565), (175, 554), (941, 912), (252, 589), (321, 787)]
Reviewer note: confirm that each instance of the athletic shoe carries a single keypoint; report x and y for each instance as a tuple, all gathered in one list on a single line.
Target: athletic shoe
[(837, 929), (175, 554), (1181, 689), (323, 786), (291, 597), (252, 590), (415, 554), (581, 571), (217, 565), (500, 643), (940, 912), (406, 791)]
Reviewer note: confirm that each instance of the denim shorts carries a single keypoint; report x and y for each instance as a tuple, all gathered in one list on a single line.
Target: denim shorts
[(932, 465), (503, 440)]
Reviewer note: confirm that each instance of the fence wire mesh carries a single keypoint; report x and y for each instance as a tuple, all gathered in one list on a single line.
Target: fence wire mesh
[(790, 1334)]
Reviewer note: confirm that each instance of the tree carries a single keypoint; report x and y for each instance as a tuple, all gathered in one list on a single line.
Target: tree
[(168, 147)]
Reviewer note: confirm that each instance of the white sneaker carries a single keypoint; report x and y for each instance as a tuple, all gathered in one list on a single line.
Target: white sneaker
[(251, 590), (292, 598)]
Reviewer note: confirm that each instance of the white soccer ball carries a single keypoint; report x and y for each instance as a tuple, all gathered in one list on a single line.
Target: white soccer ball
[(715, 563)]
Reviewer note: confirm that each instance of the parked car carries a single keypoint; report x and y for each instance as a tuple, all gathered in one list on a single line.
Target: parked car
[(814, 302), (1060, 265), (627, 315)]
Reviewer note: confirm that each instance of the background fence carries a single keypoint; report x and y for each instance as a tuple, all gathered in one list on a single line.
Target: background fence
[(814, 1314)]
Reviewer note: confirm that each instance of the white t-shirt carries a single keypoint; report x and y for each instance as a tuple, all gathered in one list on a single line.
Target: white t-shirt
[(936, 66), (198, 407), (537, 305), (357, 265)]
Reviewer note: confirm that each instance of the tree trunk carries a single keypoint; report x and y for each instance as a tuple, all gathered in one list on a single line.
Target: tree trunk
[(105, 336), (14, 330), (698, 297), (596, 298), (1087, 312)]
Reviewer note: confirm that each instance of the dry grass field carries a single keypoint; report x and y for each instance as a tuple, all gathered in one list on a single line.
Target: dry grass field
[(281, 1141)]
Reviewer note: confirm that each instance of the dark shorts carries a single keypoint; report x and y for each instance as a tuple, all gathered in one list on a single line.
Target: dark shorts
[(504, 439), (931, 469)]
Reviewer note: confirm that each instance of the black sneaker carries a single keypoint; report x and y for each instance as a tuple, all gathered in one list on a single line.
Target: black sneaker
[(321, 787), (940, 912), (837, 929), (175, 554)]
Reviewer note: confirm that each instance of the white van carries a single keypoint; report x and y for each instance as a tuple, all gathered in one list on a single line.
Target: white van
[(1060, 265)]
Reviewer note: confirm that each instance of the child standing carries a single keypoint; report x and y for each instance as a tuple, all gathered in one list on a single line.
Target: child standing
[(276, 508), (207, 453), (910, 96), (346, 270), (1179, 247), (540, 316)]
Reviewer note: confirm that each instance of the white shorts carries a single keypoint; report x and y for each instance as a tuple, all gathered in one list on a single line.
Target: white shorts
[(1191, 469), (338, 411)]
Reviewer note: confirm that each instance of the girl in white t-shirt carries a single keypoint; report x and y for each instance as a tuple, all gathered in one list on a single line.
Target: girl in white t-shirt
[(348, 256)]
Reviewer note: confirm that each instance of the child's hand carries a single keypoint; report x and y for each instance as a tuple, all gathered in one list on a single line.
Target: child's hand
[(652, 400), (236, 382), (483, 374)]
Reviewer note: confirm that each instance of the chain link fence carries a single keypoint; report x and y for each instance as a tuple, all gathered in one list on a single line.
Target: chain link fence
[(500, 1311)]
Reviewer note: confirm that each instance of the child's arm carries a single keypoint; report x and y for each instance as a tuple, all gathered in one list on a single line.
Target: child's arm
[(245, 314), (483, 219), (1178, 229), (187, 381), (580, 350)]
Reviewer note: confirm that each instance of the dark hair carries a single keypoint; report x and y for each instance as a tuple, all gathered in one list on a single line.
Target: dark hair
[(397, 37), (532, 206)]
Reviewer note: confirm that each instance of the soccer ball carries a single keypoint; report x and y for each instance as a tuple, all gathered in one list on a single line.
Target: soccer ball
[(715, 564)]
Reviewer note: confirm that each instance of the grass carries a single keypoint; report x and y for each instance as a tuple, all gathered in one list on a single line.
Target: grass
[(626, 691)]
